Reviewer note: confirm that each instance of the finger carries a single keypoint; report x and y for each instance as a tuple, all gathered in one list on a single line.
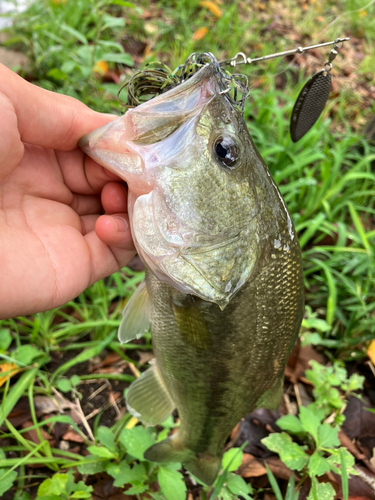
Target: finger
[(82, 174), (45, 118), (88, 223), (106, 259), (114, 230), (85, 205), (115, 198), (11, 148)]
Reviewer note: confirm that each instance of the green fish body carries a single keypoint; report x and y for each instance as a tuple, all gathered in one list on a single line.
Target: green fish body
[(223, 292)]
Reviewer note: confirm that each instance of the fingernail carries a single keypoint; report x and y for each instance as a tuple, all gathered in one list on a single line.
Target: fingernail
[(120, 223)]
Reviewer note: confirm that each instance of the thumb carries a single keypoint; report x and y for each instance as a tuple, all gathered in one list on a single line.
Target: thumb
[(45, 118)]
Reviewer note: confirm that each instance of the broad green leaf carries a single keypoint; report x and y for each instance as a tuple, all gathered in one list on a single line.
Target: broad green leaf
[(113, 22), (81, 488), (6, 480), (290, 453), (309, 421), (171, 484), (225, 494), (136, 474), (68, 66), (64, 385), (92, 467), (118, 58), (321, 491), (318, 465), (136, 441), (237, 485), (291, 424), (137, 488), (49, 497), (232, 459), (81, 494), (327, 436), (26, 354), (100, 451), (5, 339), (335, 459), (22, 495), (119, 473), (75, 380), (53, 486), (106, 438)]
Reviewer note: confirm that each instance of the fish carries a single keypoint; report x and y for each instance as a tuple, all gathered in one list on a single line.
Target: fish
[(223, 288)]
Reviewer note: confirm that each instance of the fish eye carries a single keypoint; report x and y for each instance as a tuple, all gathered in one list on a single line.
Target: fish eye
[(226, 151)]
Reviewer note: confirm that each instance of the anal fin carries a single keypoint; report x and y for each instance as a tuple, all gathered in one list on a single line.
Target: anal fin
[(148, 399), (135, 317)]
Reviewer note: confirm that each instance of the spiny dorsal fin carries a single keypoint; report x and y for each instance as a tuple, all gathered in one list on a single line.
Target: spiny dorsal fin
[(148, 399), (135, 317)]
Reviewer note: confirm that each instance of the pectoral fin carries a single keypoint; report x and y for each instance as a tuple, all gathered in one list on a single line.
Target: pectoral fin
[(135, 317), (148, 399)]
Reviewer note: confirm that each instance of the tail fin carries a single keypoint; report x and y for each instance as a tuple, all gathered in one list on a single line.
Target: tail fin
[(205, 467)]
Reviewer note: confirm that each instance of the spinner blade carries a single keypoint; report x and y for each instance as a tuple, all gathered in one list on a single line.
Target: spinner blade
[(309, 104)]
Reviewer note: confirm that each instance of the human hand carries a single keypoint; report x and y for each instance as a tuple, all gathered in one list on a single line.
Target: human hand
[(53, 241)]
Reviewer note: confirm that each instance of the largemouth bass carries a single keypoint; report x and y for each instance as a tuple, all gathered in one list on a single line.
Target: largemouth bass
[(223, 291)]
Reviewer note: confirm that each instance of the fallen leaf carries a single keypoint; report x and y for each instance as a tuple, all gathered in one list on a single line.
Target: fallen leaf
[(371, 352), (200, 33), (73, 436), (33, 436), (145, 357), (212, 7), (251, 467), (111, 359), (7, 370), (100, 67), (372, 459), (348, 443), (278, 468)]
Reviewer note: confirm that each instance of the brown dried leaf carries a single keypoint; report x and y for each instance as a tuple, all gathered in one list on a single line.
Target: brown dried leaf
[(212, 7), (33, 436), (251, 467), (278, 468), (200, 33), (305, 355), (73, 436), (145, 357), (7, 370)]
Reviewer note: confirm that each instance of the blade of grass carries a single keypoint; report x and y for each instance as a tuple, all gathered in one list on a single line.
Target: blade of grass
[(274, 484), (83, 356), (16, 392), (344, 476), (359, 227)]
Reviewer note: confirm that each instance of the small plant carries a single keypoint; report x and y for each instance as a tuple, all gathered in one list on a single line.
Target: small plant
[(62, 486), (316, 430), (229, 486)]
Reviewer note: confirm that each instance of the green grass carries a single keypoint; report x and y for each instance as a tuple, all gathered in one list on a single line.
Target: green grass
[(327, 180)]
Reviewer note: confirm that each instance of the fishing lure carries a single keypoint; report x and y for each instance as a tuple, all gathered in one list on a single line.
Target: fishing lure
[(158, 78)]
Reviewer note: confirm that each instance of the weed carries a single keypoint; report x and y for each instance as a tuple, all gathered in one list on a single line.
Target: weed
[(317, 427)]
